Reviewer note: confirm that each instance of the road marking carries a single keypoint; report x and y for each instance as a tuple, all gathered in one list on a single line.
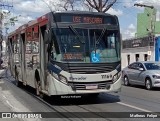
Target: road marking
[(9, 104), (4, 96), (135, 107)]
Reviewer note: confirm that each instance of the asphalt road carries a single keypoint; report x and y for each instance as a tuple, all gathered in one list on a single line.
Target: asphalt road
[(130, 99)]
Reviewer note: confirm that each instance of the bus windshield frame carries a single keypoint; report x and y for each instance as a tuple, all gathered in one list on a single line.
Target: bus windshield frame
[(84, 45)]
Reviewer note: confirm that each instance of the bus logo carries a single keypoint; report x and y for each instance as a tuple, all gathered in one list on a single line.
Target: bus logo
[(77, 78)]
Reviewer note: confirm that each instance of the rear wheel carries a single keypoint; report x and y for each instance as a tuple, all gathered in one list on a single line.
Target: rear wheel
[(126, 81), (17, 82), (148, 84)]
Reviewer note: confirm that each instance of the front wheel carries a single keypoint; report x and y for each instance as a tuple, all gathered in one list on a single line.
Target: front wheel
[(126, 81), (148, 84)]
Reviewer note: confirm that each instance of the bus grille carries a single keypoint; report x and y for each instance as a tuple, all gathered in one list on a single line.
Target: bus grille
[(83, 86), (88, 68)]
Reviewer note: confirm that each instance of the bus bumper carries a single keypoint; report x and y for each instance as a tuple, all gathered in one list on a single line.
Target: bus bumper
[(58, 88)]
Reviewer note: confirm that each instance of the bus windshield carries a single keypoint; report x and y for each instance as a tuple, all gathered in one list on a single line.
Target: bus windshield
[(85, 45)]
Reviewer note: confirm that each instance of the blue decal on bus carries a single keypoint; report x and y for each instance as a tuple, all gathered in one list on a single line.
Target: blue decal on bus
[(95, 57), (54, 69)]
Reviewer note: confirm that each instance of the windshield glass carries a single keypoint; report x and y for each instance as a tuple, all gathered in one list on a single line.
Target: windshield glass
[(105, 44), (152, 66), (85, 45)]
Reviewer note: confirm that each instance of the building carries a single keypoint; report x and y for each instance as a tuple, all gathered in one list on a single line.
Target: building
[(146, 45), (137, 49), (146, 22)]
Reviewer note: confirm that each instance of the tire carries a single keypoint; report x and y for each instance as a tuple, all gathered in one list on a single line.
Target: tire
[(126, 81), (36, 88), (148, 84), (17, 82)]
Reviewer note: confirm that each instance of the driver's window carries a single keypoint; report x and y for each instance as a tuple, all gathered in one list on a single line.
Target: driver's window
[(133, 66), (111, 41), (140, 65)]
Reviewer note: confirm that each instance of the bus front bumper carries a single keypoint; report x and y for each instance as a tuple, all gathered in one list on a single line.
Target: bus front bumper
[(58, 88)]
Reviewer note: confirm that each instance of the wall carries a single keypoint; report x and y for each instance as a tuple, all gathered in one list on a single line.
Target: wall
[(157, 27), (133, 51)]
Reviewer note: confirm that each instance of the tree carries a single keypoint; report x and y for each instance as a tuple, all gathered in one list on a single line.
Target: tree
[(66, 4), (63, 4), (99, 5)]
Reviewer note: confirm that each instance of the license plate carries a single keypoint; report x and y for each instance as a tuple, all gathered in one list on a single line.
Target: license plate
[(91, 86)]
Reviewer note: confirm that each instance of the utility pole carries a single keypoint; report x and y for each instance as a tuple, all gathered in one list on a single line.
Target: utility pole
[(2, 4), (152, 27), (142, 5), (1, 17)]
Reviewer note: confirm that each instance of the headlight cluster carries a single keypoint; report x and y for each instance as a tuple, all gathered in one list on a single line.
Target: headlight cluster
[(156, 76), (116, 77), (60, 78), (63, 79)]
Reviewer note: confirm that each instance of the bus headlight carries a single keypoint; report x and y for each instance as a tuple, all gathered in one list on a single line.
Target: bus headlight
[(116, 77), (60, 78), (63, 79)]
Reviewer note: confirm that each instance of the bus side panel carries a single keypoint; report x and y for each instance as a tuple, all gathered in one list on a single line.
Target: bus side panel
[(32, 62)]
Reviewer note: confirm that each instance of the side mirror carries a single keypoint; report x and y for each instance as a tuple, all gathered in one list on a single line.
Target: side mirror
[(141, 69)]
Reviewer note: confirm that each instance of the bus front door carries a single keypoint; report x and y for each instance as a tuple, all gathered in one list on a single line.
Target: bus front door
[(43, 58), (23, 65)]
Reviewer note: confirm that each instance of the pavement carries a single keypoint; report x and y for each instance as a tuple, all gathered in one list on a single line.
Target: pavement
[(8, 102), (4, 104)]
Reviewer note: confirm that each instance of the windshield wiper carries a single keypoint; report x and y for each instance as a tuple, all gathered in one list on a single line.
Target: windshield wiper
[(100, 37), (76, 33), (96, 42)]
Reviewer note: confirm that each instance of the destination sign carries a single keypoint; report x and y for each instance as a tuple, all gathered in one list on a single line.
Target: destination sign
[(89, 19), (73, 56), (93, 20)]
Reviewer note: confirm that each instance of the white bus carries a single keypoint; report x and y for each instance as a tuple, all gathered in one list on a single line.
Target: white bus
[(68, 53)]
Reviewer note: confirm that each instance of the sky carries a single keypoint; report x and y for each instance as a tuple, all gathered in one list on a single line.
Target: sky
[(27, 10)]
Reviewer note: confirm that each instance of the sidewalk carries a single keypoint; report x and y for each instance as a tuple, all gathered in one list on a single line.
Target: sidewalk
[(4, 104), (8, 102)]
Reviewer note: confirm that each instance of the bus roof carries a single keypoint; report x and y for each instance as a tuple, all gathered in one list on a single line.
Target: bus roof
[(83, 12), (39, 19)]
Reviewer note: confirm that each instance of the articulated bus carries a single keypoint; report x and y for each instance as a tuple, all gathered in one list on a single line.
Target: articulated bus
[(64, 53)]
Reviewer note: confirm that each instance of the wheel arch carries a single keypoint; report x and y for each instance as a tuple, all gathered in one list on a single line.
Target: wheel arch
[(147, 77)]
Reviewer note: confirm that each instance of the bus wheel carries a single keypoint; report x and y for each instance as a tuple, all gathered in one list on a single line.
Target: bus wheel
[(38, 84), (38, 90), (17, 82)]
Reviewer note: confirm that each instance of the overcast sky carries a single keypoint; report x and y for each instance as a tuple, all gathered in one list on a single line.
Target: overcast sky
[(124, 9)]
